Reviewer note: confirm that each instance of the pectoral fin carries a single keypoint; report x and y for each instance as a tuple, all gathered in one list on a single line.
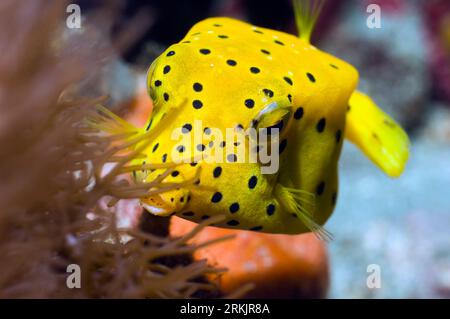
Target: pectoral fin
[(376, 134)]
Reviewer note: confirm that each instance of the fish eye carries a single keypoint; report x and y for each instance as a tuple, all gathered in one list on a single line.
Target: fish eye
[(272, 117)]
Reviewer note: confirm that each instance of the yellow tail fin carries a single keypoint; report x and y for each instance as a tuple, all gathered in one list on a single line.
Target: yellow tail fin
[(377, 135)]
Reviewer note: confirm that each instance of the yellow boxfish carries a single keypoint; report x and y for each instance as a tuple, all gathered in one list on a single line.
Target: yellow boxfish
[(229, 75)]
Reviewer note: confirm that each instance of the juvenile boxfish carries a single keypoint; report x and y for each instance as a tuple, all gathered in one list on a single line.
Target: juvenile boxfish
[(228, 74)]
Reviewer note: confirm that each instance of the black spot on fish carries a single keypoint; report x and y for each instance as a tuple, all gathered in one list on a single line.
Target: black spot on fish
[(197, 104), (311, 77), (298, 114), (158, 83), (186, 128), (175, 173), (155, 147), (166, 69), (232, 158), (170, 53), (289, 97), (256, 228), (338, 136), (255, 70), (320, 127), (231, 62), (222, 144), (223, 36), (270, 209), (249, 103), (207, 130), (288, 80), (233, 222), (320, 188), (201, 147), (252, 182), (166, 97), (217, 197), (164, 158), (217, 171), (197, 87), (334, 66), (265, 51), (205, 51), (180, 148), (279, 42), (234, 208), (258, 31), (268, 92)]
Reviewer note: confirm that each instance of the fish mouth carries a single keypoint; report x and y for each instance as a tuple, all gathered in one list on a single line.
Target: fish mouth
[(156, 206), (166, 204)]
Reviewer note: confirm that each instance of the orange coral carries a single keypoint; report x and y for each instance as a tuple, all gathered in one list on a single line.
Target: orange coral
[(280, 266)]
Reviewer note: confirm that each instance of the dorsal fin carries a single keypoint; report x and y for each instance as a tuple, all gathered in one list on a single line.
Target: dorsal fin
[(306, 14)]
